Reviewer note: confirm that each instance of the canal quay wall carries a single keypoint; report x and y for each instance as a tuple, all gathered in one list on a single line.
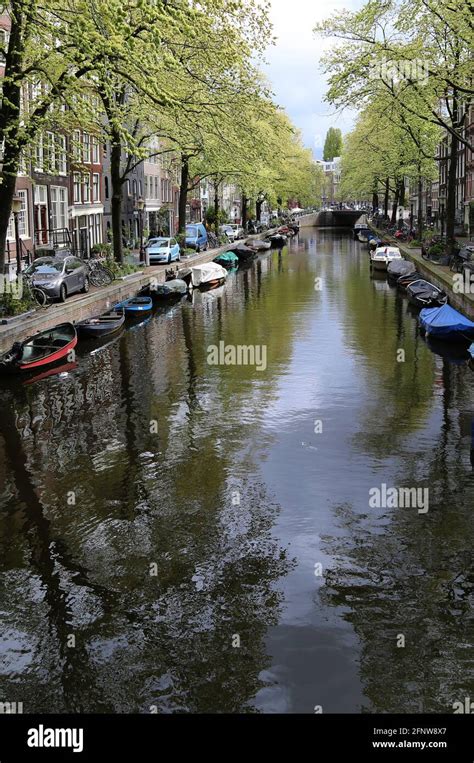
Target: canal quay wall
[(439, 275), (98, 300)]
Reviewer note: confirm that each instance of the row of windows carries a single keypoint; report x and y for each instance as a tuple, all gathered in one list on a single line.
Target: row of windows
[(58, 209), (83, 191), (85, 148)]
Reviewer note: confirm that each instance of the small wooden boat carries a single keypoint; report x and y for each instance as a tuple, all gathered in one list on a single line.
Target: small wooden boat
[(446, 323), (101, 325), (175, 288), (135, 306), (425, 294), (209, 275), (42, 349), (380, 259)]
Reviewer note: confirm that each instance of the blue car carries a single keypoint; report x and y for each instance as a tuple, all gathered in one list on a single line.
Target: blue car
[(196, 237), (162, 250)]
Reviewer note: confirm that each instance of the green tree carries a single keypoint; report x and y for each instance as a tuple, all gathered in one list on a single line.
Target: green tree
[(417, 53), (332, 144)]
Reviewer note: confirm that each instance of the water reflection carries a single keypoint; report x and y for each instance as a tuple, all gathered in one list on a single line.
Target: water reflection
[(162, 511)]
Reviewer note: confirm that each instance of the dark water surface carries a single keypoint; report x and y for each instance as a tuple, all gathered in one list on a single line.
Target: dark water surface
[(146, 459)]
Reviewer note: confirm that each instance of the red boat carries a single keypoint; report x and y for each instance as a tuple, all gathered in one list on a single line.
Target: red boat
[(42, 349)]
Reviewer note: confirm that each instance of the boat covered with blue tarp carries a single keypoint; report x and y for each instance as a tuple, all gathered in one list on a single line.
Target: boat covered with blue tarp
[(446, 323)]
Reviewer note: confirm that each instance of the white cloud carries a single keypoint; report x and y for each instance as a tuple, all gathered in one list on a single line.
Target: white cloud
[(293, 67)]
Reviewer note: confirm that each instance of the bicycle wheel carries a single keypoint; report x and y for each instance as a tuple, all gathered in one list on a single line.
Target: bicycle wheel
[(95, 278), (39, 296), (107, 276)]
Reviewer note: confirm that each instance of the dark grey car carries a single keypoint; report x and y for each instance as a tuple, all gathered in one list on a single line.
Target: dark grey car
[(59, 277)]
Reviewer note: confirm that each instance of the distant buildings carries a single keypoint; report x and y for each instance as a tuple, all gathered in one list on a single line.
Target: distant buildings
[(332, 176)]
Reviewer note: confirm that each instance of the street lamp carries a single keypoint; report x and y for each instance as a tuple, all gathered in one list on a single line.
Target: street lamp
[(16, 209), (141, 207)]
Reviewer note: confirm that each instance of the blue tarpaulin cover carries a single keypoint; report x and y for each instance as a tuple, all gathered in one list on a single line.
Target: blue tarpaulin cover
[(445, 320)]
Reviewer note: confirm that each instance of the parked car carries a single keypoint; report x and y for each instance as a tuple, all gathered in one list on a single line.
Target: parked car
[(162, 250), (238, 230), (228, 231), (59, 277), (196, 237)]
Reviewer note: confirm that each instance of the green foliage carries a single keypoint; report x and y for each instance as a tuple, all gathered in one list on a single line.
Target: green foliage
[(332, 144), (211, 216)]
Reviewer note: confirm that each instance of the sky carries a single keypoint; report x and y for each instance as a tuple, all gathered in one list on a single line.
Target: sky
[(293, 67)]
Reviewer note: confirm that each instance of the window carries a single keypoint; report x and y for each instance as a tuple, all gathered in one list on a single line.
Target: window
[(140, 189), (38, 158), (60, 155), (86, 188), (77, 187), (22, 218), (76, 146), (95, 188), (3, 44), (128, 188), (95, 151), (98, 229), (48, 152), (40, 194), (157, 187), (134, 188), (86, 149), (106, 186), (58, 207)]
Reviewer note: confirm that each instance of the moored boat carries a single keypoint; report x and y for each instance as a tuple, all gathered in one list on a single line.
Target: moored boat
[(408, 278), (277, 240), (227, 260), (174, 288), (101, 325), (41, 350), (383, 255), (208, 275), (258, 246), (398, 268), (446, 323), (135, 306), (244, 253), (425, 294)]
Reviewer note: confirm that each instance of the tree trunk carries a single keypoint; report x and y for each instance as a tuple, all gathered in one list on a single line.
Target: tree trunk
[(244, 211), (10, 120), (117, 184), (451, 185), (401, 200), (375, 197), (420, 209), (395, 203), (386, 198), (183, 194), (216, 206), (258, 209)]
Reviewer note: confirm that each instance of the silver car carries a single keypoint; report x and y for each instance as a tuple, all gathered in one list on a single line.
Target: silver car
[(59, 277)]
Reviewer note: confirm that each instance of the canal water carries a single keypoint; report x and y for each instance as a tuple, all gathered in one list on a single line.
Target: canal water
[(177, 536)]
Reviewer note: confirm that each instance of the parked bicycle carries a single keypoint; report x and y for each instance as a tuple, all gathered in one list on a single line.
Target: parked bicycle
[(34, 292), (99, 274)]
